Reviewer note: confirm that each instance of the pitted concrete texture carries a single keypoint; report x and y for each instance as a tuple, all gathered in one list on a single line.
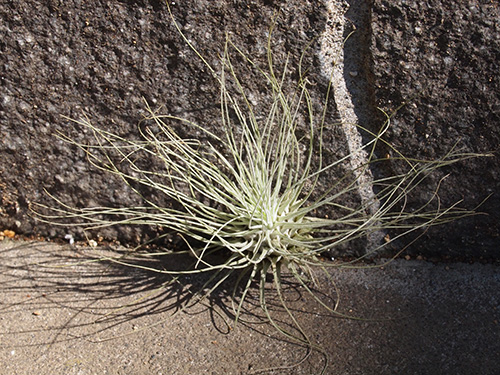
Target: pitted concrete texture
[(103, 58)]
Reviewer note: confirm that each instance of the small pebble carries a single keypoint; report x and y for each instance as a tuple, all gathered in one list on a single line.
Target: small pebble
[(9, 233)]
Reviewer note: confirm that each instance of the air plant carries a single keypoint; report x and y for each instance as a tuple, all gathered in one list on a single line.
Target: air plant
[(250, 193)]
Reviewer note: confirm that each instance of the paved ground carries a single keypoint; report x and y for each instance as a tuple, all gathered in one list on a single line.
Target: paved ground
[(89, 318)]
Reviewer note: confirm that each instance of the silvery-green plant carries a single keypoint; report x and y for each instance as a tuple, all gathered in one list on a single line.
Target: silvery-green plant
[(250, 193)]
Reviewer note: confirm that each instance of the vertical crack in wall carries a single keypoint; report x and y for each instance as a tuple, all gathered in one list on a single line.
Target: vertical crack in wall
[(332, 62)]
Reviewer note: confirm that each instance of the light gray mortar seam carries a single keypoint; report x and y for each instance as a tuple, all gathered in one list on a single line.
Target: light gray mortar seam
[(331, 56)]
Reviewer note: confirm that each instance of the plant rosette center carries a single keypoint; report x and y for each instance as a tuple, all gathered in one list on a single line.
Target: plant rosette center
[(272, 235)]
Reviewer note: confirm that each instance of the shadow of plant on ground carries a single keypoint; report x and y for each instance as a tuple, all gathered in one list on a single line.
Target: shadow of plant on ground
[(105, 301)]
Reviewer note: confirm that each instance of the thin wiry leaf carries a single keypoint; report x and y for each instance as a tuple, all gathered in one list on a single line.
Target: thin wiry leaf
[(251, 193)]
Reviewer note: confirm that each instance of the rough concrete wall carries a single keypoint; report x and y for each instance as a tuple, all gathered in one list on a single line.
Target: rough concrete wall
[(443, 58), (103, 58), (59, 58)]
